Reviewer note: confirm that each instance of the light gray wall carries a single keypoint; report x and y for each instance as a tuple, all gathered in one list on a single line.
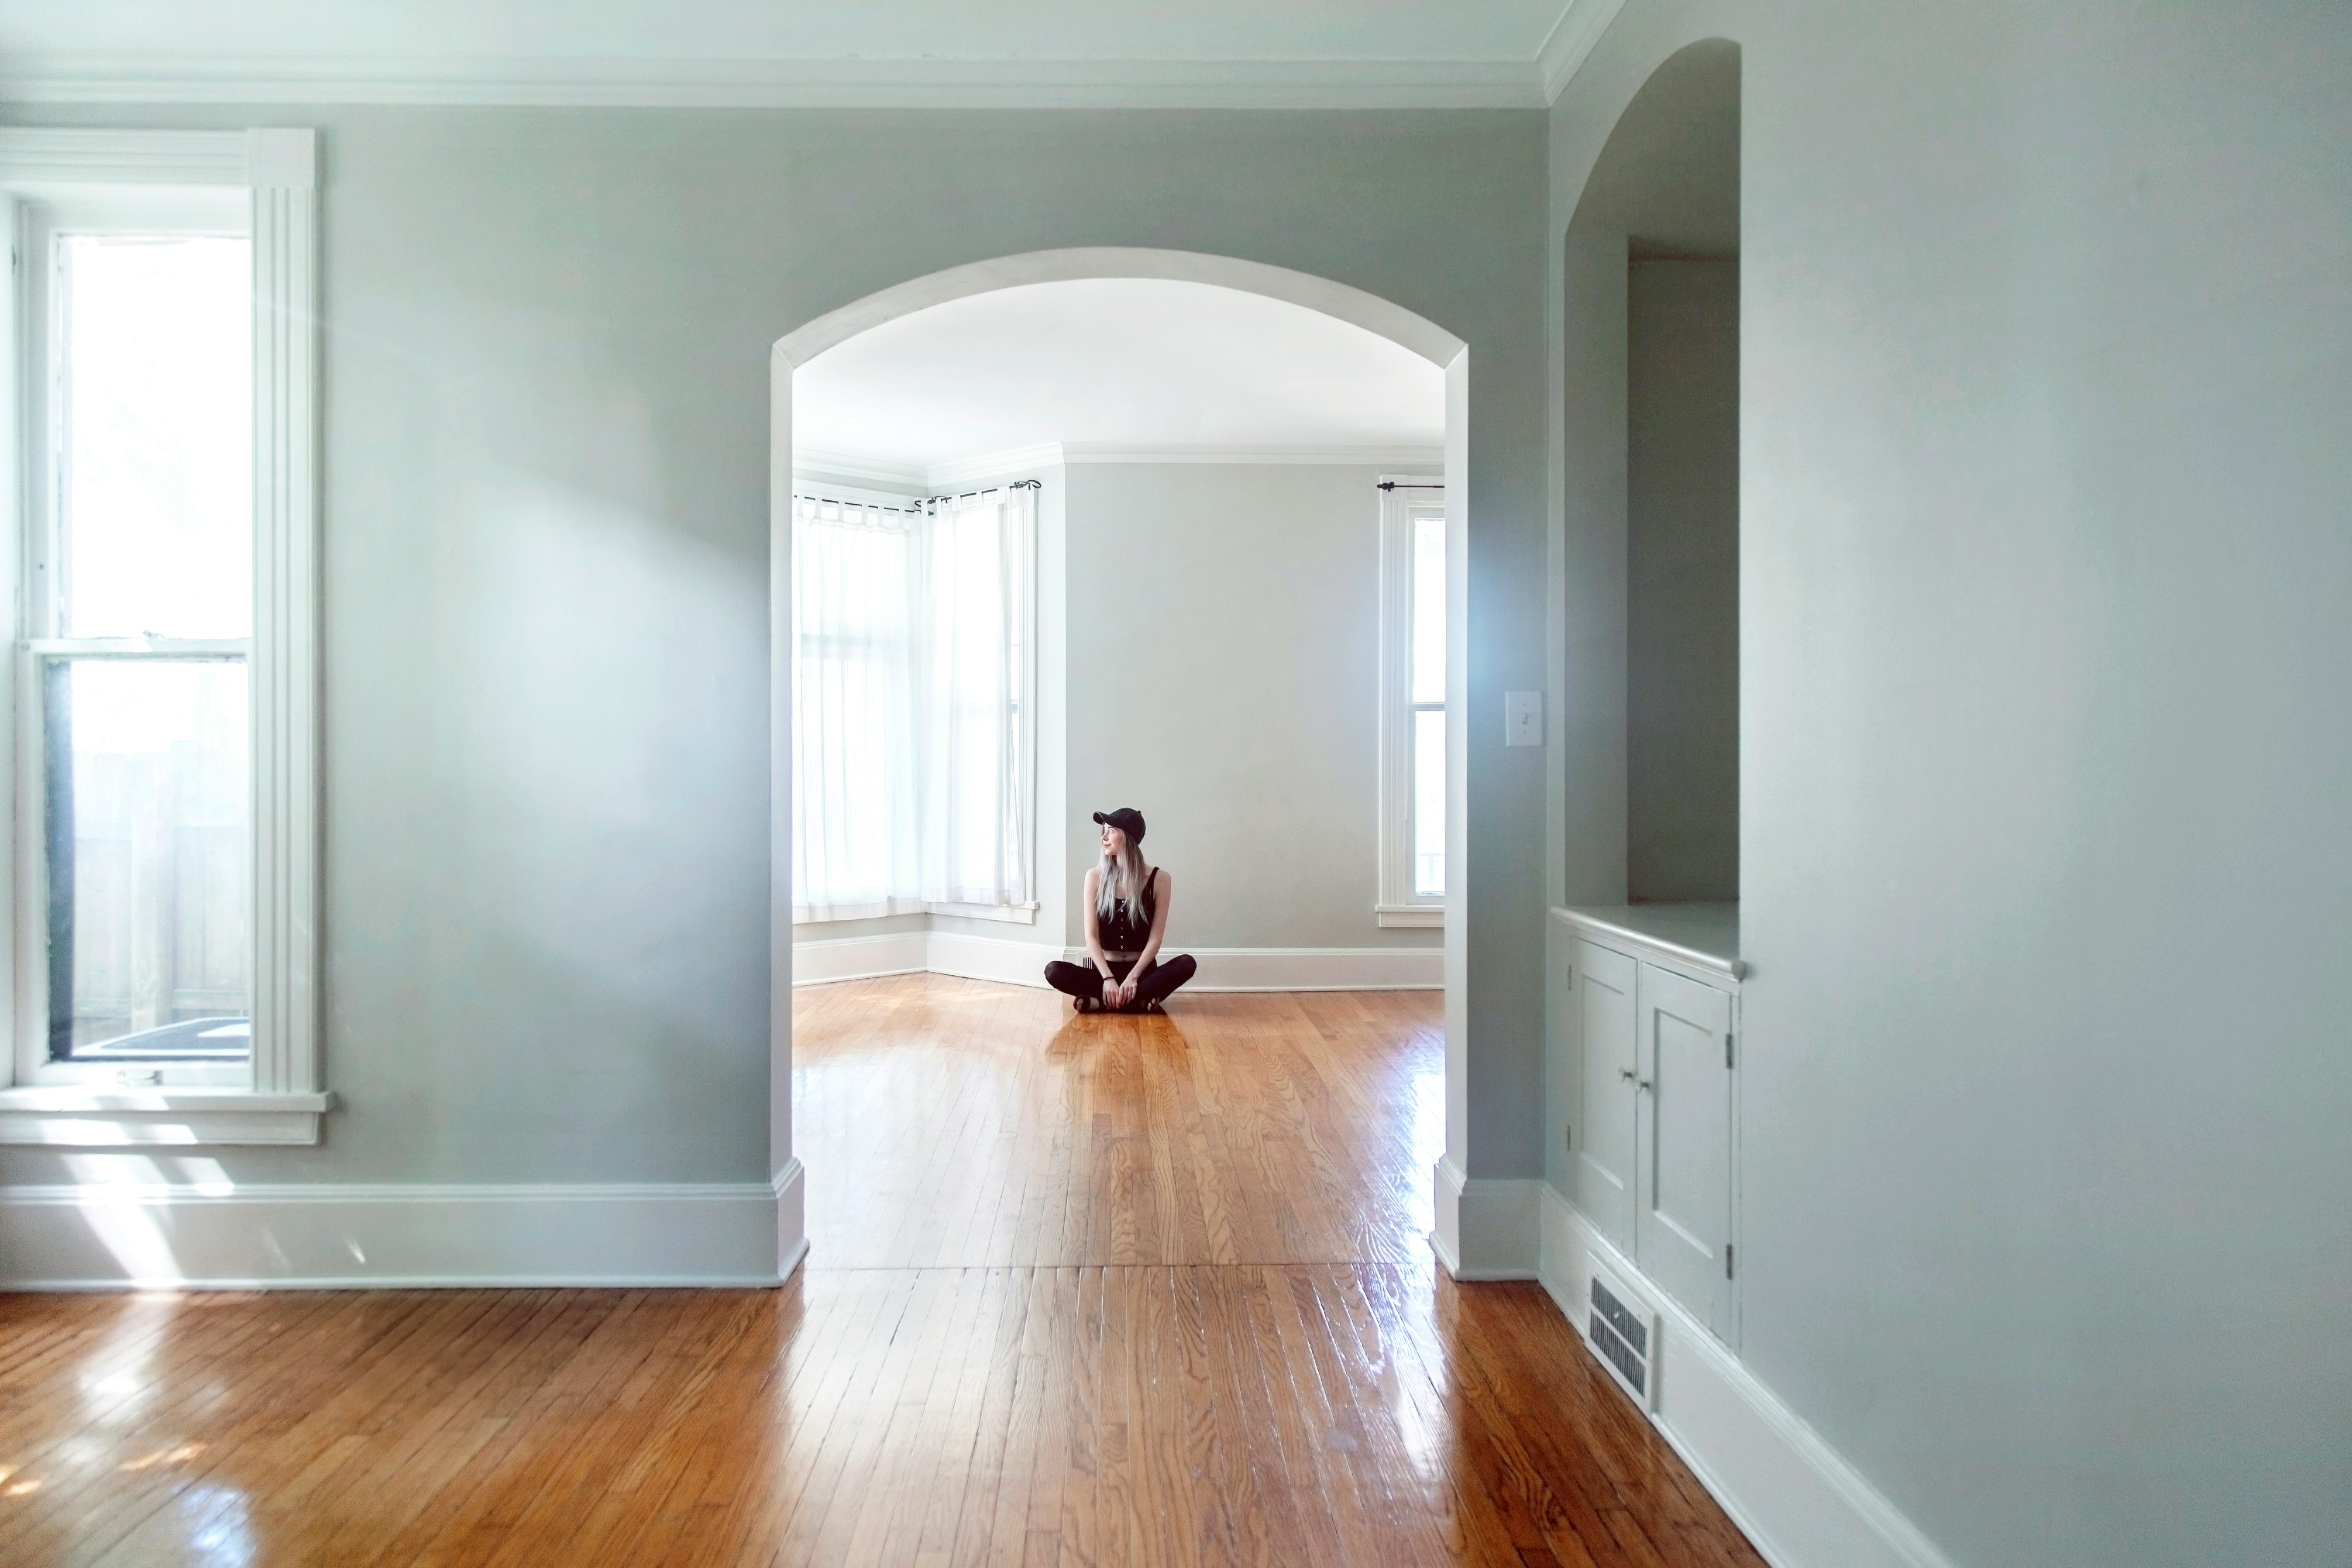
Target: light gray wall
[(2047, 865), (1585, 847), (1682, 580), (1224, 680), (546, 554)]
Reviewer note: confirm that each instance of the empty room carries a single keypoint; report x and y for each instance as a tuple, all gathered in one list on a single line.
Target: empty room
[(1463, 782)]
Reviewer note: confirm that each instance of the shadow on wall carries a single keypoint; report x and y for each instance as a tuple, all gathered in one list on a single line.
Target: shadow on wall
[(1652, 504)]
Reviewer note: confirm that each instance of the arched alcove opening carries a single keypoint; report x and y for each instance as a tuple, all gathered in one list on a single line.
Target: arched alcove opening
[(1644, 974), (938, 294), (1651, 369)]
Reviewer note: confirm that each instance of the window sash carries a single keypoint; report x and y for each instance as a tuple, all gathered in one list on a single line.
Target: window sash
[(39, 979), (41, 225)]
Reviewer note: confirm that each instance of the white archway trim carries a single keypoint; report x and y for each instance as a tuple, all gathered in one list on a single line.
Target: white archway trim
[(1369, 311), (1400, 326)]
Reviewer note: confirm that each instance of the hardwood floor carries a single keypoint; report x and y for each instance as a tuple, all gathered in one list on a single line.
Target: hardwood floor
[(1098, 1291), (948, 1121)]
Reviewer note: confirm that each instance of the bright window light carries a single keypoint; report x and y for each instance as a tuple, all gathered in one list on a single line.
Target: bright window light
[(1429, 610), (149, 836), (146, 750), (154, 436), (1429, 705), (1429, 802)]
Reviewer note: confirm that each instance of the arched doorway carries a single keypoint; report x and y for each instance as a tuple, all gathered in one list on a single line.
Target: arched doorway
[(1353, 306)]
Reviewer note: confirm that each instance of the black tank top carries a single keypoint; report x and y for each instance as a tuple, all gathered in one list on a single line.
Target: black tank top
[(1125, 932)]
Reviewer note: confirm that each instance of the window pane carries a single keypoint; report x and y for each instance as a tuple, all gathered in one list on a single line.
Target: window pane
[(149, 836), (1429, 802), (1429, 609), (155, 438)]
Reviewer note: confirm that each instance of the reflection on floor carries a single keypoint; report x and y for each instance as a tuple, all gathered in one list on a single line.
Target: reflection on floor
[(1091, 1292)]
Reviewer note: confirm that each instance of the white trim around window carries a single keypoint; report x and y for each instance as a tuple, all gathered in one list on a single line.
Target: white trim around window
[(1412, 495), (180, 182)]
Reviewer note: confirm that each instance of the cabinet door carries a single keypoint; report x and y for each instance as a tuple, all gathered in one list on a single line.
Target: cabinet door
[(1683, 1145), (1606, 984)]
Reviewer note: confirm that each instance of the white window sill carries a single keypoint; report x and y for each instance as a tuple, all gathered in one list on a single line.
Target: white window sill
[(1420, 915), (1012, 914), (66, 1116), (1018, 914)]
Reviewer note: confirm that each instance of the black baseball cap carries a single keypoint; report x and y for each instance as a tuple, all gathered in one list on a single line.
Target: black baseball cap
[(1126, 819)]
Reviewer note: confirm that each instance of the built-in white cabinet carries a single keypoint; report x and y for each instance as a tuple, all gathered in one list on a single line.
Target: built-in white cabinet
[(1604, 986), (1651, 1006)]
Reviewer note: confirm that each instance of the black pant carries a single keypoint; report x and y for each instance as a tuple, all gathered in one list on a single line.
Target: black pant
[(1084, 980)]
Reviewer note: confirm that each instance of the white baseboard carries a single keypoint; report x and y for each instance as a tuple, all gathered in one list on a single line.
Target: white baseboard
[(1799, 1500), (792, 1218), (990, 958), (860, 957), (101, 1235), (1486, 1228), (1318, 969), (818, 961)]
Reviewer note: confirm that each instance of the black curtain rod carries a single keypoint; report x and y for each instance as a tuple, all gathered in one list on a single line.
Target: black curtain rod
[(1015, 485), (860, 505), (1393, 485), (921, 501)]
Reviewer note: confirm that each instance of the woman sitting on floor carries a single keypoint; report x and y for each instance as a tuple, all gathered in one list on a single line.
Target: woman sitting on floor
[(1127, 918)]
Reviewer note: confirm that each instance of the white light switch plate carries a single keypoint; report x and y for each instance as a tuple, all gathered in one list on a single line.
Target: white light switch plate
[(1523, 718)]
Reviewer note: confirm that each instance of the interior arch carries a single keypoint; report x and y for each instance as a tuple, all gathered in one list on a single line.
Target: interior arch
[(1325, 296)]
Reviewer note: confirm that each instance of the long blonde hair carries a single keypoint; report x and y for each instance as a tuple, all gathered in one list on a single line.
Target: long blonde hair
[(1125, 868)]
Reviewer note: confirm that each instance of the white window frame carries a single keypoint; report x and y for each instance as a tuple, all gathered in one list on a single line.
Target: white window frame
[(1024, 913), (1399, 905), (169, 181)]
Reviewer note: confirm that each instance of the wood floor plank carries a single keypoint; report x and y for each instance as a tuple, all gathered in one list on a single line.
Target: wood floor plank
[(1084, 1291)]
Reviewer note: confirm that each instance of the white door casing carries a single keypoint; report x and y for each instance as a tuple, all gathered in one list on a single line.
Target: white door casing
[(1331, 297)]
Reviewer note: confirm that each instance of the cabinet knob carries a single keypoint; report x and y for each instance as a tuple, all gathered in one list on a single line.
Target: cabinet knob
[(1626, 1073), (1641, 1086)]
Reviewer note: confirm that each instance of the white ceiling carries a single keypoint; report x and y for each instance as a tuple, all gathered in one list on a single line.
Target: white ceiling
[(1112, 363), (798, 51)]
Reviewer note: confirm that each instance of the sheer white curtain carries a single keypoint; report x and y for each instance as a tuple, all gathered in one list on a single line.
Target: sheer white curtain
[(976, 699), (913, 687), (854, 609)]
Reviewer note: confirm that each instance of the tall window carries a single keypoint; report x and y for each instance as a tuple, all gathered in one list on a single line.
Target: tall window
[(142, 606), (913, 691), (1413, 702), (164, 716)]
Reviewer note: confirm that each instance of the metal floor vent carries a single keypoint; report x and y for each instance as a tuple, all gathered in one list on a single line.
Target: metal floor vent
[(1623, 1334)]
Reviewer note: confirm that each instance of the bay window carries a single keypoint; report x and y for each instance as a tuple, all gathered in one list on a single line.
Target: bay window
[(914, 687)]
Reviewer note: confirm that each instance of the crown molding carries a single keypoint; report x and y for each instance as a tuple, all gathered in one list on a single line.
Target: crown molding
[(1378, 457), (1570, 43), (922, 479), (851, 466), (938, 478), (628, 82), (945, 476)]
